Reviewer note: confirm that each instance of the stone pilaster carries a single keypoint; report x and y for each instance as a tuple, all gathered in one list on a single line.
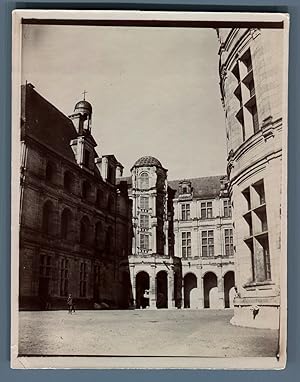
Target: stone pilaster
[(152, 292)]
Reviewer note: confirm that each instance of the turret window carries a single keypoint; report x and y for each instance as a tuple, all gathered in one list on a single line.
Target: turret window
[(246, 112), (144, 181), (144, 202), (144, 242), (144, 220)]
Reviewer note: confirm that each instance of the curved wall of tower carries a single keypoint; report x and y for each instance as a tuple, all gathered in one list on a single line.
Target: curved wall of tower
[(251, 80)]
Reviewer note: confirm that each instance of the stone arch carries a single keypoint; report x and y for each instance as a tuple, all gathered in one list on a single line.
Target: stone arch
[(162, 289), (189, 283), (210, 287), (229, 291), (142, 285)]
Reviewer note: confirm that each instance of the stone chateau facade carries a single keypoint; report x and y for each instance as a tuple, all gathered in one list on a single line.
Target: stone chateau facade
[(111, 241), (251, 80)]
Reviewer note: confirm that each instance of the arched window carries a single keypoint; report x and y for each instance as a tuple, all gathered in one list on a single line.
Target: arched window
[(86, 190), (68, 181), (47, 221), (84, 230), (50, 172), (98, 234), (144, 180), (66, 222)]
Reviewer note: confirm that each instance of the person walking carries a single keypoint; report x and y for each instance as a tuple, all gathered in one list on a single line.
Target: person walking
[(70, 304)]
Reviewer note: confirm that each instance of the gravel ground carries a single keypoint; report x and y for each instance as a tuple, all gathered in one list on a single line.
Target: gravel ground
[(142, 332)]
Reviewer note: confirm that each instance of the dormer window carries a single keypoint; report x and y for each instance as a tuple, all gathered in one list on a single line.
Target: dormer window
[(185, 188)]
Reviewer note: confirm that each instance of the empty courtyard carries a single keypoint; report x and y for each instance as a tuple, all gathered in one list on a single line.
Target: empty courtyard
[(146, 332)]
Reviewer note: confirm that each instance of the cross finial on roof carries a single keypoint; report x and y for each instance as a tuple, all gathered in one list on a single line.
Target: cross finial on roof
[(84, 93)]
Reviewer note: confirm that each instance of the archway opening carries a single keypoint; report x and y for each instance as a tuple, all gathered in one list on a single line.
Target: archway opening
[(210, 284), (162, 290), (229, 289), (190, 283), (142, 287)]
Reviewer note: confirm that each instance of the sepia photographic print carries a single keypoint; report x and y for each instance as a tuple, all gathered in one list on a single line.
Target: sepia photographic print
[(149, 178)]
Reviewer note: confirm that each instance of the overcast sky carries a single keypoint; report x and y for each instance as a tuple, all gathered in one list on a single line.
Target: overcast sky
[(154, 91)]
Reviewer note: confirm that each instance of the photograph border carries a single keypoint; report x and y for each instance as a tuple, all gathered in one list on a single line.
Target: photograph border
[(23, 16)]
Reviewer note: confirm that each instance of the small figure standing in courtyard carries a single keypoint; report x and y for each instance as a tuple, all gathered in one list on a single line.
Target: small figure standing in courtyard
[(70, 303)]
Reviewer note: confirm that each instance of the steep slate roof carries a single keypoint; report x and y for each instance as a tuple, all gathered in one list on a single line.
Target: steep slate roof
[(43, 122), (126, 179), (203, 188)]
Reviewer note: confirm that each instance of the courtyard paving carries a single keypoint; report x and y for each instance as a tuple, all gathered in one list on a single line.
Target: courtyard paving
[(206, 333)]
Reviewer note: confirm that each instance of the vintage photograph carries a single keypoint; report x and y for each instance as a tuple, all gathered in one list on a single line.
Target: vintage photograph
[(150, 175)]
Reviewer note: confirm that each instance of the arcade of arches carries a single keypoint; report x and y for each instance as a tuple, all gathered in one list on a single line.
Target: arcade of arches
[(162, 291)]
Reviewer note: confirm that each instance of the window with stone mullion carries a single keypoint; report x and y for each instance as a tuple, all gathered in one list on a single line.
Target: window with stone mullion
[(186, 244), (206, 210), (207, 243)]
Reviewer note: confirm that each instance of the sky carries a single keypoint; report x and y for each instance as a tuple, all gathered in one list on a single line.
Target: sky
[(154, 91)]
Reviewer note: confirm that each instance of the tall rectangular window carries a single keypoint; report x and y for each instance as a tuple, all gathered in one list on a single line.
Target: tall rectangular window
[(144, 221), (206, 210), (228, 242), (186, 244), (144, 202), (258, 239), (185, 211), (64, 277), (207, 243), (227, 208), (144, 242), (83, 279), (245, 93)]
